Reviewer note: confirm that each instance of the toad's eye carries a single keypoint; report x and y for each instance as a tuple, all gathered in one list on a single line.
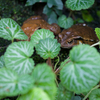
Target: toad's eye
[(70, 42)]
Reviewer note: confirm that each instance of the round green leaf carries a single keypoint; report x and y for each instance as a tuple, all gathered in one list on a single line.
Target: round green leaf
[(63, 94), (2, 63), (48, 48), (95, 95), (41, 34), (35, 94), (45, 79), (10, 30), (79, 4), (82, 72), (65, 22), (11, 84), (97, 30), (17, 57)]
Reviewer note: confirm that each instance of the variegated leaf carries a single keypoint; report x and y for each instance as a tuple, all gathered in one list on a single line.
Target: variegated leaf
[(17, 57), (10, 30)]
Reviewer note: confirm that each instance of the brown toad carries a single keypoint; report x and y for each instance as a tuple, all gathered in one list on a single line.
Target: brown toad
[(36, 22), (77, 34)]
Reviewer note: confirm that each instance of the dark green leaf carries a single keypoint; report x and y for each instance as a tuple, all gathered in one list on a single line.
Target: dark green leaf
[(57, 3), (52, 18), (76, 98), (47, 10), (31, 2)]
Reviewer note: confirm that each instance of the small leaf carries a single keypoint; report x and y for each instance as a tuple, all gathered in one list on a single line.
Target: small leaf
[(11, 84), (2, 63), (48, 48), (95, 95), (98, 13), (87, 16), (63, 94), (59, 12), (76, 98), (10, 30), (97, 30), (35, 94), (52, 18), (47, 10), (79, 4), (65, 22), (31, 2), (17, 57), (82, 72), (41, 34), (45, 79), (57, 3)]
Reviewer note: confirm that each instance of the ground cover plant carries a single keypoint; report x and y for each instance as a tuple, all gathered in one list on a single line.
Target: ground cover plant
[(76, 78)]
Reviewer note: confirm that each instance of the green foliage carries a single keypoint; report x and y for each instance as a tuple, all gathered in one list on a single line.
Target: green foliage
[(52, 9), (65, 22), (87, 16), (98, 13), (31, 2), (76, 98), (17, 57), (82, 70), (97, 30), (41, 34), (18, 76), (45, 79), (95, 95), (79, 4), (48, 48), (63, 94), (10, 30), (2, 63), (11, 84), (35, 94)]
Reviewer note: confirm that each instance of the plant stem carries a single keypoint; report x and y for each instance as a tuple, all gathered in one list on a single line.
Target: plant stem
[(70, 13), (56, 63), (12, 40), (90, 92), (95, 44), (49, 62)]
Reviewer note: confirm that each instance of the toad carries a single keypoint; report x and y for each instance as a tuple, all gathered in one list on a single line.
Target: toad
[(36, 22), (77, 34)]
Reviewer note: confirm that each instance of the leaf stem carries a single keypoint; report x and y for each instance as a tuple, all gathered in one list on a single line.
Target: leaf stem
[(70, 13), (12, 40), (56, 63), (90, 92), (95, 44)]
